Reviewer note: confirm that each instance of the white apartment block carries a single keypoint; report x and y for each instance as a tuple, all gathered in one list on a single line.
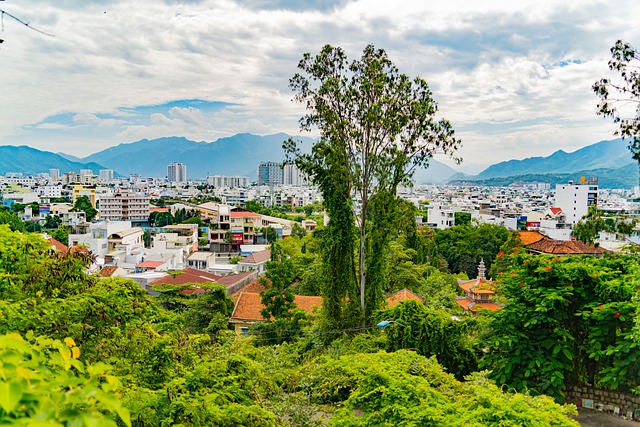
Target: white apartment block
[(219, 181), (106, 175), (124, 207), (440, 217), (575, 199), (293, 176), (49, 191), (177, 172)]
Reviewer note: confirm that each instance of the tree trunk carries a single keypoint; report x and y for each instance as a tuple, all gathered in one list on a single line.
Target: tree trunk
[(362, 267)]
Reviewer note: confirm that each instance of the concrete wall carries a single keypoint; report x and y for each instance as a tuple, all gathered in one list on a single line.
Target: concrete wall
[(626, 405)]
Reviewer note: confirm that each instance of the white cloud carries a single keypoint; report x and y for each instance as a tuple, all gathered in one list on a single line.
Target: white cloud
[(493, 66)]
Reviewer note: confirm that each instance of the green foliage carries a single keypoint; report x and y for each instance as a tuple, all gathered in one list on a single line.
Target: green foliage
[(566, 321), (61, 234), (405, 389), (270, 234), (589, 227), (464, 246), (42, 382), (84, 204), (298, 231), (376, 126), (12, 220), (462, 218), (616, 96), (160, 219), (432, 333)]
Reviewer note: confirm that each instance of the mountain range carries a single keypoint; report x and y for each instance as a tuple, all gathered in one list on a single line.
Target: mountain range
[(240, 154)]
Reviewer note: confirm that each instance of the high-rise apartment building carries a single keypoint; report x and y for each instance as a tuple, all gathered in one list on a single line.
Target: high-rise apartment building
[(106, 175), (270, 173), (177, 172), (575, 199), (54, 173), (293, 176)]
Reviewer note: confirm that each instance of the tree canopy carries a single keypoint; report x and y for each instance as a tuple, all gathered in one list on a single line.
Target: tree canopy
[(376, 124)]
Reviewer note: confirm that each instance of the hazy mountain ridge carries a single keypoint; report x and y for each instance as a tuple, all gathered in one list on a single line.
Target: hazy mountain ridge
[(611, 154), (31, 161), (240, 154)]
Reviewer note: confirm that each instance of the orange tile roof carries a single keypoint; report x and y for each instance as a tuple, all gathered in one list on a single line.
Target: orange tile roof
[(529, 237), (253, 287), (249, 304), (151, 264), (473, 307), (555, 211), (477, 286), (402, 295), (244, 214)]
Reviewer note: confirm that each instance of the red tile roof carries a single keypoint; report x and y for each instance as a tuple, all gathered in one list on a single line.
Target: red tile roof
[(548, 245), (57, 246), (107, 270), (402, 295), (188, 275), (555, 211)]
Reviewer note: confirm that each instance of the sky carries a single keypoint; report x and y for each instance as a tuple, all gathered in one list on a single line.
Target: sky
[(513, 77)]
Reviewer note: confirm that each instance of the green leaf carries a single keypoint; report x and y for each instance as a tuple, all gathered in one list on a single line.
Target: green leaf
[(10, 395)]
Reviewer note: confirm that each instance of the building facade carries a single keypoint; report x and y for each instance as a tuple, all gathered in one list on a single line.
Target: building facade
[(177, 172), (270, 173), (124, 207), (575, 198)]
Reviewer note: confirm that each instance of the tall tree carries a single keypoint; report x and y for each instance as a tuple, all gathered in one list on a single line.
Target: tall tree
[(377, 124), (621, 100), (84, 204)]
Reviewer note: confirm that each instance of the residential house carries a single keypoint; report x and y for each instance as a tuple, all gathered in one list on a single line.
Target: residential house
[(256, 261)]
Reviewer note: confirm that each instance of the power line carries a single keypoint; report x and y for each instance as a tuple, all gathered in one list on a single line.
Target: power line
[(26, 24)]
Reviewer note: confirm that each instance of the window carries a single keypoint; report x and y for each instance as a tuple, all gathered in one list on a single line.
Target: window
[(244, 330)]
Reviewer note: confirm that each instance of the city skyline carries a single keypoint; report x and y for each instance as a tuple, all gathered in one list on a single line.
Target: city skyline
[(514, 79)]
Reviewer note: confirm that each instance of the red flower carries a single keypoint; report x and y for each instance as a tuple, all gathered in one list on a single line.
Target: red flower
[(566, 284), (500, 254), (600, 308), (595, 277), (617, 314), (521, 285), (548, 267), (515, 250)]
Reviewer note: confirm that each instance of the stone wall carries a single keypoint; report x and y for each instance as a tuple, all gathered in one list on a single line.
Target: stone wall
[(622, 404)]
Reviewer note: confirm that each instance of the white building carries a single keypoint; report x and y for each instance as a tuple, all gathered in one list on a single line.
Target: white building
[(293, 176), (441, 217), (177, 172), (219, 181), (106, 175), (575, 199)]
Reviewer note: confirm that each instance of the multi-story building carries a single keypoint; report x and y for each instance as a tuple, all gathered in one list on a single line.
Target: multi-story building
[(177, 172), (293, 176), (54, 174), (124, 207), (575, 198), (106, 175), (270, 173), (219, 181), (80, 190)]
